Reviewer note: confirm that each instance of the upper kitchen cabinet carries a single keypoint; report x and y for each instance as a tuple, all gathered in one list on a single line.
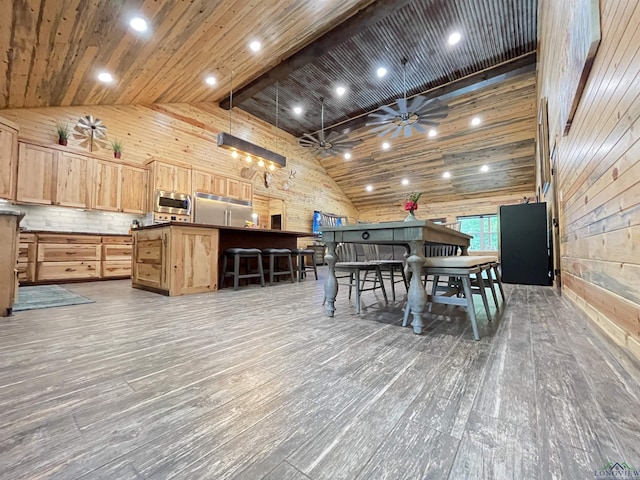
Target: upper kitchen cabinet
[(8, 158), (106, 186), (202, 181), (134, 189), (74, 180), (246, 191), (36, 168), (170, 178)]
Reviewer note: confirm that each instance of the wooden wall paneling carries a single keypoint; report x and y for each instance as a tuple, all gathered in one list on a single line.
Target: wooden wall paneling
[(261, 207), (74, 180), (599, 169), (107, 186), (36, 174)]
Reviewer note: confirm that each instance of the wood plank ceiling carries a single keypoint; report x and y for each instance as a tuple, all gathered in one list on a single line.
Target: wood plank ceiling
[(52, 50)]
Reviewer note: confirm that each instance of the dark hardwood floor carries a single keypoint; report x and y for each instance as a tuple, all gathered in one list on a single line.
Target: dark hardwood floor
[(259, 383)]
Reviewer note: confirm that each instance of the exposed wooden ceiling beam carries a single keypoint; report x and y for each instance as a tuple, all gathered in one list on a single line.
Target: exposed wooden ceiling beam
[(365, 18), (523, 64)]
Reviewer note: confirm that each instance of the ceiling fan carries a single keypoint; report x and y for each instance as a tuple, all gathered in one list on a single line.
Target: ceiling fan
[(333, 144), (420, 112)]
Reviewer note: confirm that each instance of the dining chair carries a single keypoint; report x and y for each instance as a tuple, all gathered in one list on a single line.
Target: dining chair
[(387, 266)]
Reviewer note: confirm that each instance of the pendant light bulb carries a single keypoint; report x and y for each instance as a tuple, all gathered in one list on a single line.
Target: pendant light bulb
[(234, 154), (260, 163), (248, 159), (272, 167)]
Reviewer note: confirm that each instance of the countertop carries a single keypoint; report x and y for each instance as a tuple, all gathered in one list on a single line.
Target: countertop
[(223, 227), (13, 213), (56, 232)]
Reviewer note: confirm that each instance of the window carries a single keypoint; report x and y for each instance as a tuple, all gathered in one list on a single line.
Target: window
[(484, 229)]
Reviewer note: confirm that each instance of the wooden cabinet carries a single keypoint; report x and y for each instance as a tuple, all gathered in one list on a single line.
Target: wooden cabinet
[(246, 191), (170, 178), (74, 179), (9, 225), (219, 185), (116, 256), (8, 158), (36, 167), (150, 262), (176, 259), (133, 190), (119, 188), (67, 257), (27, 258), (106, 186), (201, 181), (233, 188)]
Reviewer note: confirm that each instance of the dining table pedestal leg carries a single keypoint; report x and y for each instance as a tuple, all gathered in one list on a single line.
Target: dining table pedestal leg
[(416, 297), (331, 283)]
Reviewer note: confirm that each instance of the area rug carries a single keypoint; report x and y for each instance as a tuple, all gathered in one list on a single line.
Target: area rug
[(45, 296)]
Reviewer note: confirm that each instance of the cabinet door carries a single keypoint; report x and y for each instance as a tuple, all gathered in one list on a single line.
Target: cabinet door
[(219, 185), (201, 181), (233, 188), (74, 180), (106, 186), (164, 177), (134, 190), (183, 180), (8, 161), (35, 174), (246, 191)]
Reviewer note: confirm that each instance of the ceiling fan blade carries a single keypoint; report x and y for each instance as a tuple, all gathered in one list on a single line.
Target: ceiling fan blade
[(397, 132), (407, 131), (334, 137), (419, 127), (310, 137), (426, 122), (388, 110), (321, 136), (417, 103), (402, 105), (380, 128), (387, 130)]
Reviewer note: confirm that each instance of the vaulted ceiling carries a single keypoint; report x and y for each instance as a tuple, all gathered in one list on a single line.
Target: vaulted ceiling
[(52, 50)]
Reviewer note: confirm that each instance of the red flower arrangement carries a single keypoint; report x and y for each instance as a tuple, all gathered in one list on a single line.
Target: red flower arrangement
[(412, 201)]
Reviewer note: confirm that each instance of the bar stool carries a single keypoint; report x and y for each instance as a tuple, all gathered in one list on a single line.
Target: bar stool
[(274, 254), (301, 265), (237, 254)]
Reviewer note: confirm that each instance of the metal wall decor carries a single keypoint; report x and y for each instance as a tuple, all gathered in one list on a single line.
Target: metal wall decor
[(92, 128)]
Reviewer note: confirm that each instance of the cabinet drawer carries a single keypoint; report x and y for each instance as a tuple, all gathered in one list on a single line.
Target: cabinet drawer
[(68, 239), (26, 252), (148, 273), (124, 240), (374, 236), (26, 272), (116, 269), (149, 251), (27, 237), (117, 252), (67, 270), (53, 252)]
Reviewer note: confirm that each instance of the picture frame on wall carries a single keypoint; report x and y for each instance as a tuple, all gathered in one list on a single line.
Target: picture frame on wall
[(577, 56)]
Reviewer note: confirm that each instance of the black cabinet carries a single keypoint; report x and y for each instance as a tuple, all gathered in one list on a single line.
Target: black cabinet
[(524, 244)]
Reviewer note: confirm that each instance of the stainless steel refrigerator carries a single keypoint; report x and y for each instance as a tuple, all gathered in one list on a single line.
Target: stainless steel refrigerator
[(215, 210)]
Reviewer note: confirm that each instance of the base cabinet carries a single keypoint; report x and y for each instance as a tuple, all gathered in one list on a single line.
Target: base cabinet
[(176, 260), (9, 239)]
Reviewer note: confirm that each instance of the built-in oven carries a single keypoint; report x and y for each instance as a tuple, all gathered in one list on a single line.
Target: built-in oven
[(171, 207), (172, 203)]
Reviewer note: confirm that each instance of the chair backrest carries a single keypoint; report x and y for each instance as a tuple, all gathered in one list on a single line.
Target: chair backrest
[(331, 220), (453, 225), (440, 250), (346, 252)]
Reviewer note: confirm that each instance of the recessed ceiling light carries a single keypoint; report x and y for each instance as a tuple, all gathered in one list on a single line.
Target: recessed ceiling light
[(475, 121), (105, 77), (210, 80), (484, 168), (347, 156), (255, 46), (340, 91), (386, 145), (138, 24), (446, 175), (454, 38), (405, 182), (381, 72), (433, 132), (369, 188), (297, 110)]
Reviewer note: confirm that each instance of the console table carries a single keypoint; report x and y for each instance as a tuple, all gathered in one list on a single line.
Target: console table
[(413, 234)]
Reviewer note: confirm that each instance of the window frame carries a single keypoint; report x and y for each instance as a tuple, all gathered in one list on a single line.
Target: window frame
[(480, 235)]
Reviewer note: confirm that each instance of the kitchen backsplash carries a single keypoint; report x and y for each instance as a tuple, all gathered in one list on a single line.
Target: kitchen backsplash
[(60, 219)]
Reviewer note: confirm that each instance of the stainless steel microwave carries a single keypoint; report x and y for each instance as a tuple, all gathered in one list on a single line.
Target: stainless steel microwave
[(172, 202)]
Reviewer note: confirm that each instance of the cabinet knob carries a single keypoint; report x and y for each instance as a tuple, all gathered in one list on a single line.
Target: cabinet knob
[(365, 235)]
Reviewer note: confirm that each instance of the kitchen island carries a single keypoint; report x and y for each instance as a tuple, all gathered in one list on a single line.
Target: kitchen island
[(177, 258)]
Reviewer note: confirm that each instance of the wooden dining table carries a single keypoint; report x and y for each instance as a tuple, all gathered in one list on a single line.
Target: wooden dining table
[(412, 234)]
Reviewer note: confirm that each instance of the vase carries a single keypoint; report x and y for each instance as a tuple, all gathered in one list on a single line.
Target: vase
[(411, 217)]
